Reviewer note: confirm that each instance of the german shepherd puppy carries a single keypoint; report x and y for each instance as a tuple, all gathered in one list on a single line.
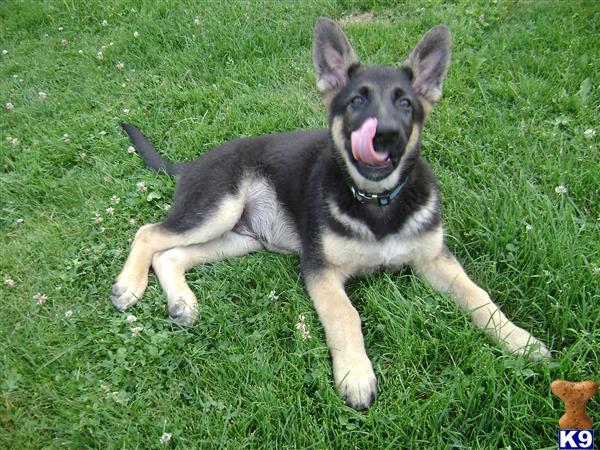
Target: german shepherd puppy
[(354, 198)]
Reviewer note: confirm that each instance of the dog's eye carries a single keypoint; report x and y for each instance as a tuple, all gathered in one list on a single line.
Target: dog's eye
[(357, 101), (403, 103)]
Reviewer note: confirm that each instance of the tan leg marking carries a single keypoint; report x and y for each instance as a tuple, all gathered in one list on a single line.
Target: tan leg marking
[(170, 267), (133, 279), (352, 370), (446, 274)]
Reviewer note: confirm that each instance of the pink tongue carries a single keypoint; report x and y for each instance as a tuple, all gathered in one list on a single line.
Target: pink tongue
[(362, 144)]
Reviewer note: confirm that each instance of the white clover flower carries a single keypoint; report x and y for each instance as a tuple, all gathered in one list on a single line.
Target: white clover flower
[(114, 396), (80, 52), (110, 211), (64, 42), (20, 221), (100, 55), (9, 282), (5, 52), (40, 299), (301, 326), (135, 331), (132, 222), (131, 318), (9, 105), (131, 149), (272, 295), (97, 218), (142, 186), (120, 66), (560, 189), (197, 21), (589, 134), (165, 438), (104, 23), (126, 110), (115, 200), (68, 314), (42, 95), (136, 34)]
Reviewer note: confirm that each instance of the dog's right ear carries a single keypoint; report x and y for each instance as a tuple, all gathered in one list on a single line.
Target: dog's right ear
[(332, 57)]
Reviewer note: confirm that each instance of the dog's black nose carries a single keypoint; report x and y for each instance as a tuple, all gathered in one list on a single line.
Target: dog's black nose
[(386, 135)]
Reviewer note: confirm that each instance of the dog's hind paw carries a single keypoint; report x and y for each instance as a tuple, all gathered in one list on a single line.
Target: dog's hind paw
[(124, 295), (357, 382), (182, 305), (184, 311)]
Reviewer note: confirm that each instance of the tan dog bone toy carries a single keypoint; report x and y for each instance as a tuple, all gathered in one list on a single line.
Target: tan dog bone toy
[(574, 396)]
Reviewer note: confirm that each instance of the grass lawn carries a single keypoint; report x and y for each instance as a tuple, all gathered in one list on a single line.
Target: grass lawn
[(520, 180)]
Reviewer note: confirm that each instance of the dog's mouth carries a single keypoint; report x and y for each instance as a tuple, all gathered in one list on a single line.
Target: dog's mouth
[(372, 153), (363, 148)]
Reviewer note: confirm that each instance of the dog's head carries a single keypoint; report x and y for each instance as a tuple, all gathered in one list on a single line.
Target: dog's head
[(376, 114)]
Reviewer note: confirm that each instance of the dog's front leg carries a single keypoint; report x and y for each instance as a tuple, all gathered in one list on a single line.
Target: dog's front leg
[(446, 274), (352, 370)]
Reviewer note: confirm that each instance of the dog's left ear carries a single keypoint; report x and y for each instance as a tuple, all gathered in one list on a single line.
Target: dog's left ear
[(332, 57), (429, 62)]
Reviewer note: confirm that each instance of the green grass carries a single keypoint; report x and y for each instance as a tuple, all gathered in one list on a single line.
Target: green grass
[(522, 89)]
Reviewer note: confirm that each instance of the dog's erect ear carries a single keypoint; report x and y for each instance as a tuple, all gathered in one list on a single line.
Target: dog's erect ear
[(332, 57), (429, 62)]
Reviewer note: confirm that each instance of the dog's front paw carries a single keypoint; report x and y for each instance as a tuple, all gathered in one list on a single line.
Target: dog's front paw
[(127, 293), (183, 308), (523, 343), (355, 381)]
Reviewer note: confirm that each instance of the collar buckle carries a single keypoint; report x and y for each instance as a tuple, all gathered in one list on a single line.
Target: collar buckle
[(383, 199)]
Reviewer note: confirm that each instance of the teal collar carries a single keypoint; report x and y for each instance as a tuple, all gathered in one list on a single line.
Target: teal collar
[(382, 199)]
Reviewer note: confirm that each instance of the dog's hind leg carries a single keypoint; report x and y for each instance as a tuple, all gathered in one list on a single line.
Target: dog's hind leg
[(170, 267), (446, 274), (150, 239)]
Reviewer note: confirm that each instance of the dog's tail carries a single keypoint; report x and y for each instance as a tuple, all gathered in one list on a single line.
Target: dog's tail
[(148, 152)]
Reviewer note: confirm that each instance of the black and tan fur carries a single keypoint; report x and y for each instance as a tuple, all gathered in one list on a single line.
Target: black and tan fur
[(290, 192)]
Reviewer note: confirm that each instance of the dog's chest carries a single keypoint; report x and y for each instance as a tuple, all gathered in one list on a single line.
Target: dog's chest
[(355, 255), (358, 249)]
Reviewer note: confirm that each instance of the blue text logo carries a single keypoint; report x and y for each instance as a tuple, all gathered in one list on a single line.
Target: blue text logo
[(575, 439)]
